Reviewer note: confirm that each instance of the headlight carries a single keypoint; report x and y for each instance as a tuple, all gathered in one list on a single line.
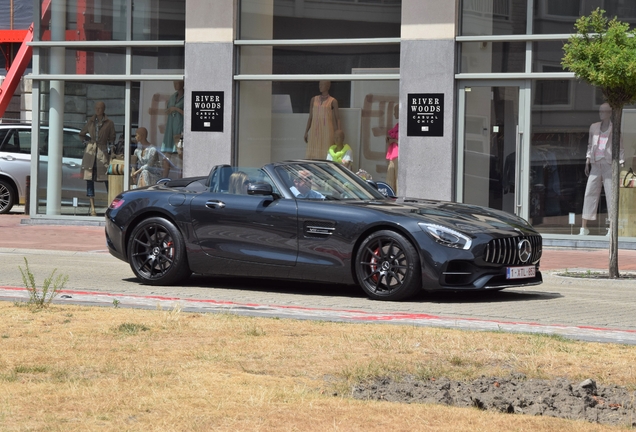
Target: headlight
[(446, 236)]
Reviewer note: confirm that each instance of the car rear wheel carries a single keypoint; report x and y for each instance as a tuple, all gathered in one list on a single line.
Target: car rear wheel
[(156, 253), (7, 197), (388, 266)]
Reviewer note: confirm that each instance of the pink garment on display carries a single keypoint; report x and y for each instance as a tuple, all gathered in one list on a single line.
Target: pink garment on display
[(392, 151), (394, 131)]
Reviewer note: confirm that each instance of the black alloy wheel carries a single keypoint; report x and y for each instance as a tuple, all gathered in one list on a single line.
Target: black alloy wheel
[(388, 266), (156, 253), (7, 197)]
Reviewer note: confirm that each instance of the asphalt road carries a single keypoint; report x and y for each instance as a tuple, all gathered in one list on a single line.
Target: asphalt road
[(572, 304), (584, 308)]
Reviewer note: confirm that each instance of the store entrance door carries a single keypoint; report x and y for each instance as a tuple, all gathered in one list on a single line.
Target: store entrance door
[(492, 147)]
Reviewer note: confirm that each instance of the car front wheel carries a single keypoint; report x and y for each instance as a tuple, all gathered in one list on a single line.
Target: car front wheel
[(156, 253), (7, 197), (388, 266)]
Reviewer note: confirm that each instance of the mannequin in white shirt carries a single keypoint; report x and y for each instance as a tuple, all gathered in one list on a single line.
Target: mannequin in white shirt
[(598, 166)]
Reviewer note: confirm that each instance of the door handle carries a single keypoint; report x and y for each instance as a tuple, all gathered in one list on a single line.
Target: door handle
[(215, 204)]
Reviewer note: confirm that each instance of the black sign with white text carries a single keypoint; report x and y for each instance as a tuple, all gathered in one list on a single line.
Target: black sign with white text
[(425, 114), (207, 111)]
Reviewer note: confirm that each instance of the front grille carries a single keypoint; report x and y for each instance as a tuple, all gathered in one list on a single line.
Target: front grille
[(505, 250)]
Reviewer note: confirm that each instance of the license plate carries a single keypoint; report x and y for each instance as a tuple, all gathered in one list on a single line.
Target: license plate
[(521, 272)]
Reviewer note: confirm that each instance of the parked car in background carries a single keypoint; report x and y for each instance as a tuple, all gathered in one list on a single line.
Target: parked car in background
[(317, 221), (15, 166)]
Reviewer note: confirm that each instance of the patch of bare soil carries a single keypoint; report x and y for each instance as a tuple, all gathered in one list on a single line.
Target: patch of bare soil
[(611, 405)]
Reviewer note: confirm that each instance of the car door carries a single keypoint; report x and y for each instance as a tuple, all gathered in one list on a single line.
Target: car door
[(246, 228), (324, 234)]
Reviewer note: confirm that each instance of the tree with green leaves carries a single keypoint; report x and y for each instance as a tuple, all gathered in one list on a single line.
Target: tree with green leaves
[(602, 53)]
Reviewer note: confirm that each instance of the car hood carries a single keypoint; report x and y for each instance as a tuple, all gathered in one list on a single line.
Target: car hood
[(466, 218)]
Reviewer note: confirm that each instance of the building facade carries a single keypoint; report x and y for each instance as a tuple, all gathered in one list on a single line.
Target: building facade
[(486, 113)]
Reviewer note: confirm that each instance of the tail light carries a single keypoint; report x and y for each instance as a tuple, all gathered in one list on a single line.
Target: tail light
[(117, 202)]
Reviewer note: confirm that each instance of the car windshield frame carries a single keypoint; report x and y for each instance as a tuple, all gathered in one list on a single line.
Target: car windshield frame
[(331, 180)]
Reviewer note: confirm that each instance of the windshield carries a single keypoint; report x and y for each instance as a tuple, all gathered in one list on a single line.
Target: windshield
[(325, 181)]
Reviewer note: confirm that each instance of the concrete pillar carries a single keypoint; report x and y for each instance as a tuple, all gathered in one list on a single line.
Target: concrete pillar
[(427, 65), (209, 62), (56, 112)]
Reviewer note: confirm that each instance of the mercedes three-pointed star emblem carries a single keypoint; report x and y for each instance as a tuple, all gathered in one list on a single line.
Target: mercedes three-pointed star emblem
[(525, 250)]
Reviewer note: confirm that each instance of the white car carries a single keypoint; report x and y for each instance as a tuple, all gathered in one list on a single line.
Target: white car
[(15, 166)]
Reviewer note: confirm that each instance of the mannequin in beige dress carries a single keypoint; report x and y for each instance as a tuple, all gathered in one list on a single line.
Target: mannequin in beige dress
[(323, 120)]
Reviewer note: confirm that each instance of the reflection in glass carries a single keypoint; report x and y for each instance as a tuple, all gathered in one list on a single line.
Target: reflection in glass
[(149, 60), (490, 140), (547, 55), (101, 61), (319, 19), (106, 20), (80, 101), (496, 17), (492, 57), (558, 17), (559, 141), (319, 59)]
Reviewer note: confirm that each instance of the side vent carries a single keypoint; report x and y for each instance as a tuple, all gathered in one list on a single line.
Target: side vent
[(318, 229)]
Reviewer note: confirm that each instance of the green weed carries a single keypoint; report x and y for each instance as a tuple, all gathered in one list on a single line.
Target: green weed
[(41, 298)]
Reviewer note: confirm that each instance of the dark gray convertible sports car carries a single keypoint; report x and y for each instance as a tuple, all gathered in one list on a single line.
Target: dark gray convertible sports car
[(317, 221)]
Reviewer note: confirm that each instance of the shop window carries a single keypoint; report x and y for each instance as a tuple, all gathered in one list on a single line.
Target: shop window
[(273, 119)]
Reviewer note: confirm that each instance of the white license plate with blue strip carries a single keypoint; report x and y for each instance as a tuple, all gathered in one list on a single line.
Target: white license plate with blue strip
[(521, 272)]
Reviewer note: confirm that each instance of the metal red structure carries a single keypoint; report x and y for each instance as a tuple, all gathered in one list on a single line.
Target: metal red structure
[(17, 66), (87, 25)]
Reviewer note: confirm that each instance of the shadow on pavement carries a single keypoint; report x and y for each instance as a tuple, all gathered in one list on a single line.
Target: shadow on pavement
[(492, 296), (353, 291)]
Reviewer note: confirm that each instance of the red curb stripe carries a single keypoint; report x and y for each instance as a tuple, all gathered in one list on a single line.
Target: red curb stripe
[(362, 315)]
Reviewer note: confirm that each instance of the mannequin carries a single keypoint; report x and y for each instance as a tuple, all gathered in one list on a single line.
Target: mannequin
[(174, 128), (149, 160), (98, 134), (324, 119), (392, 150), (340, 152), (598, 166)]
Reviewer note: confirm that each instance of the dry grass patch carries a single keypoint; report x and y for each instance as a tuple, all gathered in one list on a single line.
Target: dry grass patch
[(80, 368)]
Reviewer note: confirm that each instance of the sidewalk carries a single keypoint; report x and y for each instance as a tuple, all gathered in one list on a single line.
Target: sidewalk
[(15, 234)]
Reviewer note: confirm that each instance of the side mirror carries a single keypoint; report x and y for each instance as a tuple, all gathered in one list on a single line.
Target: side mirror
[(260, 188)]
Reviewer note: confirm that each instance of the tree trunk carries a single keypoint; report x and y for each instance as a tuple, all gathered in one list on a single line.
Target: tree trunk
[(617, 114)]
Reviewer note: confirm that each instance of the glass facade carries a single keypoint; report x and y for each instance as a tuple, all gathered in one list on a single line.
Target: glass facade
[(319, 19), (115, 20), (274, 116), (94, 169), (524, 122), (547, 125), (292, 118)]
